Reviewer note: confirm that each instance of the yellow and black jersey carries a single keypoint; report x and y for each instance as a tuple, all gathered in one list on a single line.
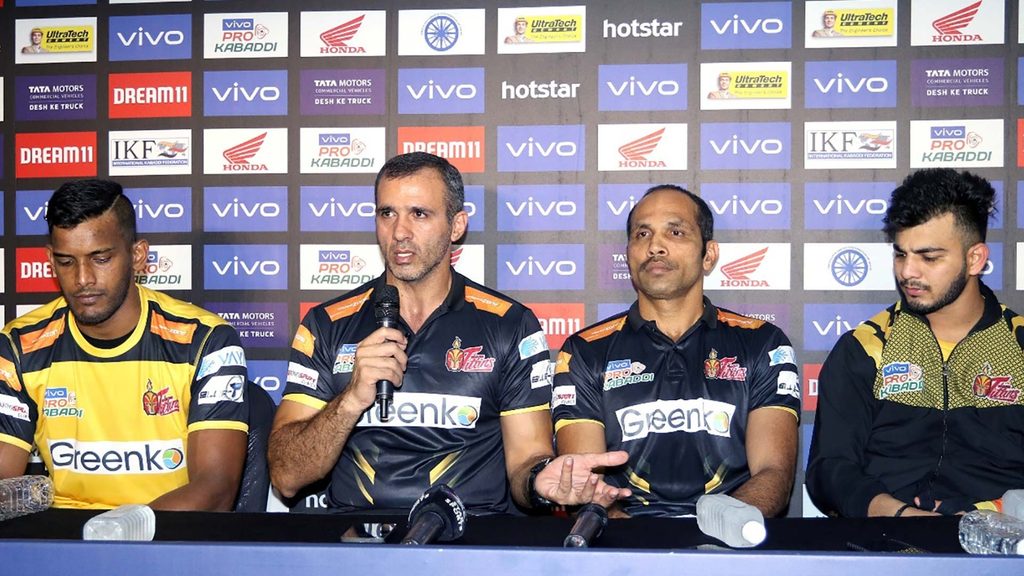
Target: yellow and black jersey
[(478, 357), (111, 424), (678, 408)]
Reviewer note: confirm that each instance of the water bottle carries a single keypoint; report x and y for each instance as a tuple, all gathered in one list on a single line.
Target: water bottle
[(736, 523), (988, 532), (23, 495), (126, 522), (1013, 503)]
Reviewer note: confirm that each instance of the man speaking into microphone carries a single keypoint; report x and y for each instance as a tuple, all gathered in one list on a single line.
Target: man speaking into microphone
[(469, 366)]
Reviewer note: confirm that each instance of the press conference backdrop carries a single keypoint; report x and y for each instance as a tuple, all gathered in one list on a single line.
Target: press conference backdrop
[(248, 135)]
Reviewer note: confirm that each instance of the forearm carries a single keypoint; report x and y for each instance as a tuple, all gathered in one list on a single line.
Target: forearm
[(300, 453), (841, 486), (768, 491), (198, 495), (519, 480)]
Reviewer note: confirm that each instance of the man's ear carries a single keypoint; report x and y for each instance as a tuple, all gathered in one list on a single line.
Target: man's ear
[(710, 256), (140, 251), (977, 258)]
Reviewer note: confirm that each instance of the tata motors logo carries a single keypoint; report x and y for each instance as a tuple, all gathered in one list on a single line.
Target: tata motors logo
[(245, 93), (756, 206), (150, 95), (342, 34), (147, 457), (167, 267), (745, 25), (668, 416), (338, 267), (421, 410), (541, 266), (956, 143), (533, 208), (341, 150), (448, 33), (849, 145), (850, 84), (554, 148), (245, 35), (71, 97), (245, 209), (745, 145), (245, 150), (54, 40), (150, 152), (463, 146), (641, 87), (641, 147), (440, 90), (158, 37), (226, 267), (835, 266), (956, 22), (342, 92), (963, 82), (259, 324), (754, 266), (55, 154)]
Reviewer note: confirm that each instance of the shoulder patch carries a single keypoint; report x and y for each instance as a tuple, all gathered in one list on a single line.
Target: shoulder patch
[(303, 341), (179, 332), (602, 330), (487, 303), (348, 306), (42, 338), (562, 363), (739, 321), (9, 374)]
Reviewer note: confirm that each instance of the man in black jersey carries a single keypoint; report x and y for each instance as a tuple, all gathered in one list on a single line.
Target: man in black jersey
[(470, 366), (703, 400)]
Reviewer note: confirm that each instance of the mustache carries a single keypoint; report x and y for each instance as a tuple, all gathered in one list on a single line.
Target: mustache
[(656, 259), (914, 285)]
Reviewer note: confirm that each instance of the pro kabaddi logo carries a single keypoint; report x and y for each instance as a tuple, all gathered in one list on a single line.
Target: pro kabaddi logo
[(955, 144), (996, 388), (635, 153), (238, 156), (459, 359), (950, 27), (899, 378), (244, 35), (725, 368), (619, 373), (737, 273), (336, 39)]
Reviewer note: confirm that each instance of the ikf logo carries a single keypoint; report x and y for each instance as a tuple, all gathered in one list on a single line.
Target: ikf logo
[(530, 208), (330, 208), (347, 91), (850, 84), (160, 37), (245, 150), (432, 33), (70, 97), (846, 205), (614, 201), (341, 150), (745, 25), (956, 143), (255, 266), (552, 148), (541, 266), (245, 93), (30, 207), (756, 266), (338, 267), (862, 266), (745, 145), (151, 95), (956, 22), (825, 323), (340, 34), (837, 145), (559, 320), (463, 146), (167, 268), (55, 154), (641, 147), (966, 82), (245, 35), (756, 206), (248, 209), (162, 209), (440, 90), (34, 271), (641, 87), (150, 152)]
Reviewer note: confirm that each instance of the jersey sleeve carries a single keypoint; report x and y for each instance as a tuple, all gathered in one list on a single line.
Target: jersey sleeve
[(219, 400), (526, 370), (774, 380), (577, 392), (312, 362), (18, 412)]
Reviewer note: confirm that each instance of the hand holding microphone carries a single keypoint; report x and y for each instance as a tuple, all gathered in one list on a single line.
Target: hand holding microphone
[(386, 312)]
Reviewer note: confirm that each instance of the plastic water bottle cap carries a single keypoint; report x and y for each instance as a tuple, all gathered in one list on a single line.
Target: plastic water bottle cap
[(753, 532)]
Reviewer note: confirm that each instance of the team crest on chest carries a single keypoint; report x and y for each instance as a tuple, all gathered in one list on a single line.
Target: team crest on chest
[(996, 388), (159, 403), (725, 368), (469, 359)]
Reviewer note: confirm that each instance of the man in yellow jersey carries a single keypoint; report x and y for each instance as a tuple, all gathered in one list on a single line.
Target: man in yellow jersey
[(920, 409), (132, 397)]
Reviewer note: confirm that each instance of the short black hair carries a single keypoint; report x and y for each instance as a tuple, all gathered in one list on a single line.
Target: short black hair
[(80, 200), (934, 192), (705, 218), (408, 164)]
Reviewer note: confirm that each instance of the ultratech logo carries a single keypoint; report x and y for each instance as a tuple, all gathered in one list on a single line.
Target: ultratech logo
[(152, 457), (653, 28), (151, 95), (668, 416), (55, 154), (463, 146), (634, 154), (738, 272), (336, 40), (416, 409), (950, 27)]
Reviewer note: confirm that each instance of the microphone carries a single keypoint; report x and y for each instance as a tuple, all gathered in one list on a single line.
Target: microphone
[(386, 312), (590, 521), (437, 515), (23, 495)]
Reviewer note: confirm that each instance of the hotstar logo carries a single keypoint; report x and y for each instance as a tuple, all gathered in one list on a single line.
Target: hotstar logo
[(635, 152), (238, 156), (737, 272), (336, 38)]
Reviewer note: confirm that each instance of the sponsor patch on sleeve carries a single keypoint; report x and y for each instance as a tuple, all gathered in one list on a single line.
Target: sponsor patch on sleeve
[(563, 396), (214, 361), (789, 384), (225, 388), (562, 363), (782, 355), (541, 374), (299, 374), (532, 345), (11, 406), (303, 341)]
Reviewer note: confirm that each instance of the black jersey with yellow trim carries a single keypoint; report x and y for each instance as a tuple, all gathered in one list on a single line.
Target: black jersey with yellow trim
[(478, 357), (678, 408), (111, 424)]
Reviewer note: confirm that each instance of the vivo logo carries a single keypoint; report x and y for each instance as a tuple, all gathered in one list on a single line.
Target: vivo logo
[(36, 214), (736, 25), (238, 24), (335, 209), (268, 383), (738, 206), (532, 207), (949, 132), (634, 87), (432, 90), (531, 148), (840, 84), (236, 93), (238, 267), (623, 207), (238, 209), (840, 205), (835, 327), (736, 145), (143, 38), (533, 267), (145, 210)]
